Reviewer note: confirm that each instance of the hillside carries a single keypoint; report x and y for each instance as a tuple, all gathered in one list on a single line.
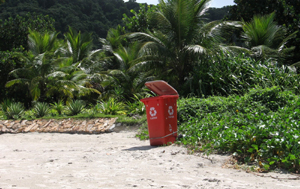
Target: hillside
[(95, 16)]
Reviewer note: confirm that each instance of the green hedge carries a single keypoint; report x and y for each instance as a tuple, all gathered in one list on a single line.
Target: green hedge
[(262, 126)]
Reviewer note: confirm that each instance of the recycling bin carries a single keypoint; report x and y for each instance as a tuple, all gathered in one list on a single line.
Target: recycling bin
[(161, 113)]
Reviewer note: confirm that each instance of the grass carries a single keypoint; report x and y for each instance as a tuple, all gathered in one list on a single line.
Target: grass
[(132, 121)]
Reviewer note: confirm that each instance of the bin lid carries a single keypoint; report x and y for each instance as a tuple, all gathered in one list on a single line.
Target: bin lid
[(161, 87)]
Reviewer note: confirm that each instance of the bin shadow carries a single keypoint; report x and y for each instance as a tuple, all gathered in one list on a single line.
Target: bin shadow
[(142, 148)]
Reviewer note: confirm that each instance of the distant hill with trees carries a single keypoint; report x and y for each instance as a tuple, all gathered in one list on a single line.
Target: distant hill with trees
[(93, 16), (213, 14)]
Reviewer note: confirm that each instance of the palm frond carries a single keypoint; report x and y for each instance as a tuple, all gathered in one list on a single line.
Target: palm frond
[(57, 74), (236, 50), (16, 81), (195, 49), (83, 91)]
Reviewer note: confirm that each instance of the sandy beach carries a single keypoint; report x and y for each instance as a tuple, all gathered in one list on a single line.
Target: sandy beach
[(117, 160)]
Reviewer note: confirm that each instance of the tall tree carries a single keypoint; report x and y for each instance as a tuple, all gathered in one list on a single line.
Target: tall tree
[(95, 16), (127, 79), (46, 75), (79, 44), (41, 63), (267, 39), (287, 13), (139, 22), (180, 40), (14, 31), (39, 44), (9, 61), (213, 14)]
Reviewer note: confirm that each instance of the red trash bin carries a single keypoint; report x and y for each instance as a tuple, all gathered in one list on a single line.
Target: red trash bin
[(161, 113)]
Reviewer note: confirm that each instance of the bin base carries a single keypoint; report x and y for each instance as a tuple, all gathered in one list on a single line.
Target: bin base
[(166, 140)]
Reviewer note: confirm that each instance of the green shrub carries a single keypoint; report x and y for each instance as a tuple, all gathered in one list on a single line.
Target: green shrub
[(271, 98), (2, 115), (41, 109), (53, 112), (111, 107), (58, 106), (75, 107), (262, 126), (229, 75), (5, 104), (14, 110), (135, 106), (29, 114)]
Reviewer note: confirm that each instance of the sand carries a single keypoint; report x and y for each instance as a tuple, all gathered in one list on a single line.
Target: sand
[(117, 160)]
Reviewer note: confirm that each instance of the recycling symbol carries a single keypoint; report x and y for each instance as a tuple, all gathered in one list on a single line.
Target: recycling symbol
[(171, 110), (153, 111)]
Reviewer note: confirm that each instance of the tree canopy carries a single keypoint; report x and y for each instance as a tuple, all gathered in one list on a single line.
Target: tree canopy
[(287, 13), (92, 16), (14, 30)]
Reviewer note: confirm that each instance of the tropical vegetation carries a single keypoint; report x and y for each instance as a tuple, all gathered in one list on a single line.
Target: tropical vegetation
[(238, 79), (260, 128)]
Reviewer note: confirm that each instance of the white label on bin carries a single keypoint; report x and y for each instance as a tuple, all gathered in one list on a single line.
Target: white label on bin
[(153, 113), (171, 112), (170, 127)]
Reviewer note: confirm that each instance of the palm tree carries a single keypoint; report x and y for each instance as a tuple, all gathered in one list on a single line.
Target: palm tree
[(127, 79), (45, 74), (79, 44), (266, 39), (40, 63), (181, 39), (70, 81), (40, 43), (35, 75)]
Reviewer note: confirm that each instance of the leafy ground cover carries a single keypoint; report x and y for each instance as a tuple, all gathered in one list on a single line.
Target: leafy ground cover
[(260, 128)]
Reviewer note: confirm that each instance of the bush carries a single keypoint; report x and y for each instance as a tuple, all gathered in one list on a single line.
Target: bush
[(262, 126), (58, 106), (230, 75), (272, 98), (135, 106), (75, 107), (41, 109), (14, 110), (5, 104), (111, 107), (29, 114)]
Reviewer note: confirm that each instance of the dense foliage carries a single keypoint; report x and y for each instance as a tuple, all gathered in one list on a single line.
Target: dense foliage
[(86, 16), (287, 13), (236, 75), (14, 30), (260, 127), (213, 14)]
